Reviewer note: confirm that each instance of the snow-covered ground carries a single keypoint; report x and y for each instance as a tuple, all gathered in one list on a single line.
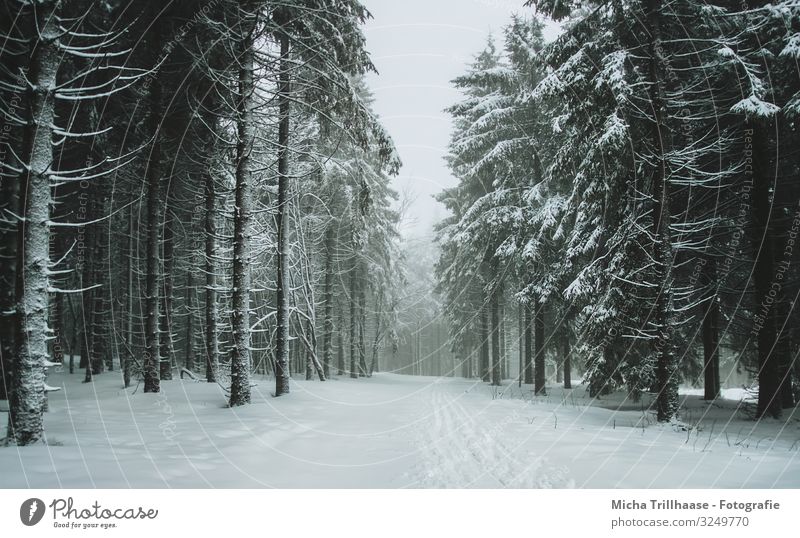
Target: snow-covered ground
[(393, 431)]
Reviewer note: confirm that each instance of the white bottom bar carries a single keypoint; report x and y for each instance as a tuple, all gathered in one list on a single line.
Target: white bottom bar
[(389, 513)]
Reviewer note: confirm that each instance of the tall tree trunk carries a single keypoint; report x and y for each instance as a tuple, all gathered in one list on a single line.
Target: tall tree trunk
[(376, 342), (663, 346), (315, 363), (96, 312), (438, 348), (86, 268), (353, 319), (567, 351), (785, 195), (166, 344), (103, 301), (484, 330), (710, 327), (190, 295), (362, 313), (211, 311), (126, 357), (25, 425), (291, 352), (520, 343), (240, 353), (496, 357), (73, 347), (769, 378), (418, 350), (100, 304), (340, 344), (282, 339), (539, 362), (470, 351), (327, 339), (528, 346), (309, 353), (503, 350), (150, 362)]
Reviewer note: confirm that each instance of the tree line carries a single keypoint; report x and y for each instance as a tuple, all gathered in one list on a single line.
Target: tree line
[(628, 197), (193, 188)]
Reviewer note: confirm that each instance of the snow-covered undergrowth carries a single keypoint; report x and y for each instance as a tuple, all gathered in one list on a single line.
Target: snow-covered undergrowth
[(393, 431)]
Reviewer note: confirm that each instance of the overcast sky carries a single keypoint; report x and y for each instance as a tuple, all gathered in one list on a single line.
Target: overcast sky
[(419, 46)]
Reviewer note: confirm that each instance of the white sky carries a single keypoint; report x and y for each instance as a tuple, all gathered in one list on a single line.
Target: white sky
[(419, 46)]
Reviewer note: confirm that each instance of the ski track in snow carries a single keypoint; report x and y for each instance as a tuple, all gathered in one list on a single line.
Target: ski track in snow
[(461, 450)]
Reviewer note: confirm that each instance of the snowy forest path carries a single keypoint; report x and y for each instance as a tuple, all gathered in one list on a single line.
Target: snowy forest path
[(462, 449), (389, 431)]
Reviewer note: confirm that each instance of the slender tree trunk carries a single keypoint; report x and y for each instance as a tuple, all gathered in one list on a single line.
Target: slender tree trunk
[(769, 400), (98, 329), (85, 353), (340, 344), (789, 312), (86, 266), (282, 340), (539, 362), (25, 424), (314, 364), (496, 357), (150, 362), (567, 351), (73, 347), (528, 346), (663, 345), (520, 343), (240, 300), (189, 362), (468, 351), (327, 339), (376, 342), (101, 330), (298, 356), (362, 312), (126, 357), (484, 330), (711, 333), (439, 369), (418, 360), (353, 319), (291, 361), (503, 350), (212, 338), (166, 345), (309, 355)]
